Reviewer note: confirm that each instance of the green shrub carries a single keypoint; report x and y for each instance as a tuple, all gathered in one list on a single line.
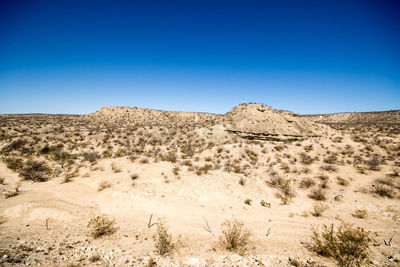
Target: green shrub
[(319, 209), (347, 246), (101, 226), (317, 194), (35, 171), (307, 183), (248, 201), (235, 237), (162, 239), (360, 213)]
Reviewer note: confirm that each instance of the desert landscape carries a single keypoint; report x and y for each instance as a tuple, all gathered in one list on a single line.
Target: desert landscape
[(127, 186)]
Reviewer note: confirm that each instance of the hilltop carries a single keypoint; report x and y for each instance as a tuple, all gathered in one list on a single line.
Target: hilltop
[(255, 121)]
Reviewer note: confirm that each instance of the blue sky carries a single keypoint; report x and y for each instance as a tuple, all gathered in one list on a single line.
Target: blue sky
[(304, 56)]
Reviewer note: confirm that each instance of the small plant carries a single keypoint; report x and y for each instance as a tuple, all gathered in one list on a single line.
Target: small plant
[(162, 239), (307, 183), (2, 180), (68, 176), (295, 262), (103, 185), (35, 171), (286, 192), (91, 157), (342, 182), (115, 167), (319, 209), (144, 161), (134, 176), (242, 181), (317, 194), (101, 226), (94, 258), (328, 167), (248, 201), (382, 189), (347, 246), (176, 170), (235, 237), (374, 163), (14, 192), (360, 213), (306, 159), (265, 203)]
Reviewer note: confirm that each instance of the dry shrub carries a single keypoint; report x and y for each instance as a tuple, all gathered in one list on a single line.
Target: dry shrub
[(276, 181), (235, 237), (383, 187), (14, 192), (134, 176), (115, 167), (306, 159), (307, 183), (286, 193), (14, 164), (100, 226), (91, 157), (162, 239), (203, 169), (318, 194), (35, 171), (265, 203), (319, 209), (342, 182), (360, 213), (374, 163), (328, 167), (103, 185), (15, 145), (332, 159), (347, 246), (248, 201)]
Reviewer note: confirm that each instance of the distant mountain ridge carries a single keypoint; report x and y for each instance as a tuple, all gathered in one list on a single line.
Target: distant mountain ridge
[(374, 117)]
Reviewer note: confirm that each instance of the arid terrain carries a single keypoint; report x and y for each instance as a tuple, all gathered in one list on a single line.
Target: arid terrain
[(140, 187)]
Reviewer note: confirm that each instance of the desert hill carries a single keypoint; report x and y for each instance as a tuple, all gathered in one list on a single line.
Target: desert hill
[(377, 117), (143, 116), (255, 121), (262, 119)]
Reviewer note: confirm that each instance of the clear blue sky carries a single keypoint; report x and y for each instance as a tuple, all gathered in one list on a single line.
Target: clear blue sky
[(305, 56)]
